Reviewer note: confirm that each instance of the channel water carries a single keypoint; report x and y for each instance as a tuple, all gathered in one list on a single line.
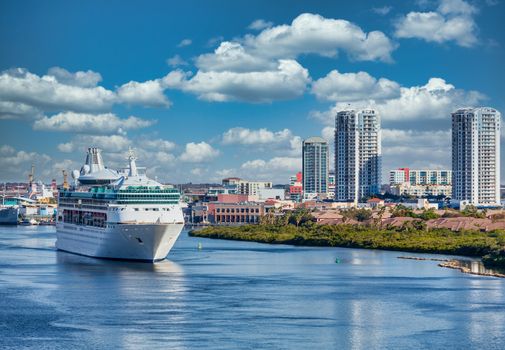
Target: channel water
[(215, 294)]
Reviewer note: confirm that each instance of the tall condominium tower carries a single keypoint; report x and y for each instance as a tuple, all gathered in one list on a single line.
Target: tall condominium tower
[(476, 156), (315, 165), (357, 154)]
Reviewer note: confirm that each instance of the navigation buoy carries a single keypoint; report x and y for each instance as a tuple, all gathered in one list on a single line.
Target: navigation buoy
[(200, 246), (337, 261)]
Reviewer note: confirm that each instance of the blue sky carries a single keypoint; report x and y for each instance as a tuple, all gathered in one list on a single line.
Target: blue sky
[(204, 90)]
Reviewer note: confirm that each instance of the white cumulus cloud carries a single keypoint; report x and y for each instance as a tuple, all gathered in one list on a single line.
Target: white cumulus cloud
[(148, 93), (48, 94), (338, 86), (312, 33), (15, 164), (80, 78), (16, 110), (416, 149), (90, 123), (246, 136), (289, 80), (233, 57), (112, 143), (452, 21), (434, 100), (285, 164), (198, 153), (260, 24), (158, 144), (176, 61)]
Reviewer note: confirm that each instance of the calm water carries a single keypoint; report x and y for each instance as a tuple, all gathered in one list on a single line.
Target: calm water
[(239, 295)]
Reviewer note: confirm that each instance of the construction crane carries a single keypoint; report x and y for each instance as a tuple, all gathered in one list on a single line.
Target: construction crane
[(30, 176), (65, 182), (31, 191)]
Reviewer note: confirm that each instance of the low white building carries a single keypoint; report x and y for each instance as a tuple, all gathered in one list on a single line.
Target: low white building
[(406, 189), (420, 183), (270, 193), (421, 203)]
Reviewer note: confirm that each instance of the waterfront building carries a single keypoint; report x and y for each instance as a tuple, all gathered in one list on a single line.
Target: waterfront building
[(271, 193), (476, 156), (357, 154), (246, 187), (399, 176), (251, 187), (235, 213), (296, 187), (296, 179), (407, 189), (198, 213), (231, 181), (315, 167), (214, 191), (420, 177), (420, 183)]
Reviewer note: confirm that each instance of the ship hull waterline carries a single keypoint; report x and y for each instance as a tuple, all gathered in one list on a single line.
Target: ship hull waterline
[(139, 242)]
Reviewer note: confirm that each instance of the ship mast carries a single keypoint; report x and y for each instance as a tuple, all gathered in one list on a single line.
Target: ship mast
[(133, 166)]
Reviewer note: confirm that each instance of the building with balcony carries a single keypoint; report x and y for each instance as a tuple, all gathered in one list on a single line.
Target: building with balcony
[(476, 156), (420, 183), (245, 187), (357, 154), (315, 167)]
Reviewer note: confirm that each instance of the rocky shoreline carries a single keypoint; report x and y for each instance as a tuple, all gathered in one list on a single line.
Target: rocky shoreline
[(456, 265), (419, 258)]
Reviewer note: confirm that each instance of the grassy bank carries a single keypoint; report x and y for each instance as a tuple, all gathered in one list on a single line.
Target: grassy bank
[(442, 241)]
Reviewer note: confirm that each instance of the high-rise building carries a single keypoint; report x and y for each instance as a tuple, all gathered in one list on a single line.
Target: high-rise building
[(398, 176), (331, 185), (357, 154), (296, 187), (476, 156), (315, 166)]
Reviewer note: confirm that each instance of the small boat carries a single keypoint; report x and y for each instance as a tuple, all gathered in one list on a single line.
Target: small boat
[(27, 222)]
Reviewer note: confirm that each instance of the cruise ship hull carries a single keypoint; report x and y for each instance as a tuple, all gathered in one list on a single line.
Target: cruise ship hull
[(146, 242)]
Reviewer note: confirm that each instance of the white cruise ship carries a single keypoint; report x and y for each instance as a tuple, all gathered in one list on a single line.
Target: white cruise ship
[(117, 214)]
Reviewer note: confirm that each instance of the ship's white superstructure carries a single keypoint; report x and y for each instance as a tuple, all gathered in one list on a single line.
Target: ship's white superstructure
[(118, 215)]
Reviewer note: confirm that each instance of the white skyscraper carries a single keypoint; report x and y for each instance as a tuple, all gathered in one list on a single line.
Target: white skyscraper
[(315, 159), (357, 154), (476, 156)]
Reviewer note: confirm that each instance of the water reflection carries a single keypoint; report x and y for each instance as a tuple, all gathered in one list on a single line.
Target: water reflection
[(78, 262), (477, 267), (241, 295), (138, 298)]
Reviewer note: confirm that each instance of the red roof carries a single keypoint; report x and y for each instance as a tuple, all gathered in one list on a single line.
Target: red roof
[(375, 200)]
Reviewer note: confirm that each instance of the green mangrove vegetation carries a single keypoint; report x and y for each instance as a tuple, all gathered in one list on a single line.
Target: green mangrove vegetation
[(413, 236)]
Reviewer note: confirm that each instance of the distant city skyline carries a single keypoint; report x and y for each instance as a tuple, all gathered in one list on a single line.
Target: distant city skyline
[(207, 90)]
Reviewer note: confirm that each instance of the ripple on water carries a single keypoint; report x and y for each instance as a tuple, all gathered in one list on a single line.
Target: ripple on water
[(233, 294)]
